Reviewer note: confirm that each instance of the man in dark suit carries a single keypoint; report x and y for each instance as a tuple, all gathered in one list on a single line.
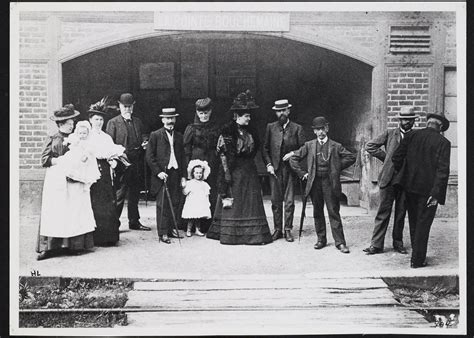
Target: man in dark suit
[(165, 157), (281, 139), (390, 140), (127, 130), (425, 179), (325, 159)]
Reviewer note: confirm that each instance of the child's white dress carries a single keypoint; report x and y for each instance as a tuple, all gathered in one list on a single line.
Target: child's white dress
[(197, 203), (80, 164)]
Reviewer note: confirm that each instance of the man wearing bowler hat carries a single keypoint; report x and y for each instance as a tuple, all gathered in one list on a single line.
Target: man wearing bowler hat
[(390, 139), (281, 139), (425, 179), (165, 157), (325, 159), (127, 130)]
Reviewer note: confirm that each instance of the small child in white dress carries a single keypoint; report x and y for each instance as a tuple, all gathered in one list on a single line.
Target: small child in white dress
[(197, 205), (79, 163)]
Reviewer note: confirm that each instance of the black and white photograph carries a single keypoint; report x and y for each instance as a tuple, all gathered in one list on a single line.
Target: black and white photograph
[(198, 168)]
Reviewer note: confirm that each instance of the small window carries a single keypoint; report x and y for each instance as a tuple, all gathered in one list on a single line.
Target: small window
[(410, 39)]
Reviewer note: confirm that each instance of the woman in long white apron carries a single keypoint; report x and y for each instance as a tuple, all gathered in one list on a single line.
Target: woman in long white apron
[(67, 221)]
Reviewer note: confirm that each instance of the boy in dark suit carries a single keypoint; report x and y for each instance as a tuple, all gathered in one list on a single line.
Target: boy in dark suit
[(281, 139)]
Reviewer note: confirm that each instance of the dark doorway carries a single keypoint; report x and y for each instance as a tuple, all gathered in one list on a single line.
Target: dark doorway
[(175, 70)]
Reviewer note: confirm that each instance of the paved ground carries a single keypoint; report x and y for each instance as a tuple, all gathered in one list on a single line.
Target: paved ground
[(140, 255)]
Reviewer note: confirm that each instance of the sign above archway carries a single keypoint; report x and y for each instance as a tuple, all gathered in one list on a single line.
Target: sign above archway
[(222, 21)]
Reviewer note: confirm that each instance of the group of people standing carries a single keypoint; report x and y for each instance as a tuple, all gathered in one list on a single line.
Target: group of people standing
[(213, 168)]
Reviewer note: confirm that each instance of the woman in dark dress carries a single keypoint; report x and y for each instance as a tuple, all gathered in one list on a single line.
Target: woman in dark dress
[(245, 221), (200, 142), (102, 191), (67, 222)]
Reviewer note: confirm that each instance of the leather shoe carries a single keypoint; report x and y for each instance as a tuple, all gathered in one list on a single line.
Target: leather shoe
[(175, 234), (43, 255), (277, 235), (416, 266), (401, 249), (343, 248), (138, 226), (288, 236), (372, 250), (164, 239), (319, 245)]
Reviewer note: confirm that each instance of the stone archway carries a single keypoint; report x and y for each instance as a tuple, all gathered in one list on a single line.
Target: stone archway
[(318, 81)]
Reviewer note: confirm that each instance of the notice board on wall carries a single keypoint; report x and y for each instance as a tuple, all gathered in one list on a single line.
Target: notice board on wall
[(236, 68), (157, 75), (194, 71)]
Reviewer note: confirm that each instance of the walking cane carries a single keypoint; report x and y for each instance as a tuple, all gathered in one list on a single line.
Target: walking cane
[(145, 167), (303, 208), (172, 211)]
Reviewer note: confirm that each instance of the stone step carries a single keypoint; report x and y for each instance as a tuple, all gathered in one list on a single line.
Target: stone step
[(294, 303), (280, 283), (288, 321)]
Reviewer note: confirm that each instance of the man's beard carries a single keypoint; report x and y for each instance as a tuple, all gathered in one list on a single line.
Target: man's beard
[(283, 119), (169, 126)]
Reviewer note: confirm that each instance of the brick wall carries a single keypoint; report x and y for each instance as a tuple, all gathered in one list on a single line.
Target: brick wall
[(33, 113), (407, 86)]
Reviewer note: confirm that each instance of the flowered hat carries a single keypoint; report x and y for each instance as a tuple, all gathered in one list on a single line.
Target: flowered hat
[(99, 108), (244, 101), (203, 164)]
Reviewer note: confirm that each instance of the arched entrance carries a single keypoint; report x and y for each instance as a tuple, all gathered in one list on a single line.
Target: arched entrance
[(174, 70)]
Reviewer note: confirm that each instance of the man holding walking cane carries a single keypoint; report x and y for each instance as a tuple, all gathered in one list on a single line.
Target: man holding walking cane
[(165, 157), (281, 139), (325, 159)]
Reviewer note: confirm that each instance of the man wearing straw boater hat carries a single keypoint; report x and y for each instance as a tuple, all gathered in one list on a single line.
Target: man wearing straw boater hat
[(165, 157), (281, 139), (426, 154), (325, 159), (390, 139), (127, 130)]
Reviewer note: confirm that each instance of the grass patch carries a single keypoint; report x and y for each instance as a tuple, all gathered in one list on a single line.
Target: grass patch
[(56, 320), (75, 293)]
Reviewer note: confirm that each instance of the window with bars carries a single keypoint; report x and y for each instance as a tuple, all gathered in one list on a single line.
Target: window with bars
[(410, 39)]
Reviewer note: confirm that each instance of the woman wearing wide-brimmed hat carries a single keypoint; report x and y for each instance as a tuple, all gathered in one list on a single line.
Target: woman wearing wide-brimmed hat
[(67, 222), (242, 221), (107, 154)]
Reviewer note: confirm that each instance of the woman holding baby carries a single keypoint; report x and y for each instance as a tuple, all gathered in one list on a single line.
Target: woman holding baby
[(67, 221)]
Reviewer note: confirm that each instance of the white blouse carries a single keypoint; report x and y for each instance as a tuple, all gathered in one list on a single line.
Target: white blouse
[(103, 146)]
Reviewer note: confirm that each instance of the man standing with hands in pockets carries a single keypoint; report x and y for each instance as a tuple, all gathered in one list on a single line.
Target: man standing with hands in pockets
[(281, 139)]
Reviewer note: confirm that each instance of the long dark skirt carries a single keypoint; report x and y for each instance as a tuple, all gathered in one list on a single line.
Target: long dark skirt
[(245, 222), (103, 206)]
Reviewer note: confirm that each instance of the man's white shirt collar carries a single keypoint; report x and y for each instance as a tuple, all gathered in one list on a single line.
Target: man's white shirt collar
[(284, 126), (323, 141)]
